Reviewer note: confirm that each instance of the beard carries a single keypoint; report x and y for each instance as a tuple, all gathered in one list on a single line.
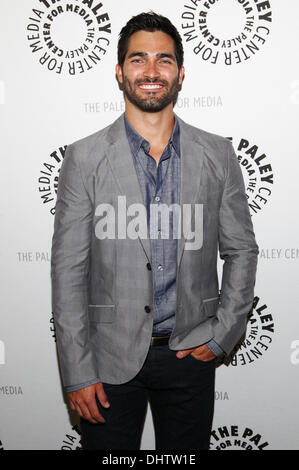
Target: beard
[(151, 103)]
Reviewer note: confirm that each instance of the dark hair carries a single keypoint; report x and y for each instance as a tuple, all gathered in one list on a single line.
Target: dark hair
[(149, 22)]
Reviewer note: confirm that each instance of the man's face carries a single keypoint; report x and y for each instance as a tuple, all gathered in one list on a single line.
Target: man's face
[(150, 76)]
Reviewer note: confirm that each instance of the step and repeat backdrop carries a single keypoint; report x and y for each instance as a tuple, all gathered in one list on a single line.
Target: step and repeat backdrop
[(57, 85)]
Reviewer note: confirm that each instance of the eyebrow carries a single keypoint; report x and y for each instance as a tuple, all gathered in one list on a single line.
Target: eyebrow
[(160, 55)]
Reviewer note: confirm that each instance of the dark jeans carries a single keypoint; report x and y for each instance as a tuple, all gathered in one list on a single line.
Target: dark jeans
[(181, 396)]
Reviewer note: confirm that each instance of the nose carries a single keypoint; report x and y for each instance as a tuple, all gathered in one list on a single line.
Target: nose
[(151, 70)]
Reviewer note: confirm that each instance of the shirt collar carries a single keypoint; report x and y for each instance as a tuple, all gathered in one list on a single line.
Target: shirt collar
[(136, 140)]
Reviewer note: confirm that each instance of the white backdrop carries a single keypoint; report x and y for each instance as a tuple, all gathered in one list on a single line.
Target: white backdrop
[(57, 85)]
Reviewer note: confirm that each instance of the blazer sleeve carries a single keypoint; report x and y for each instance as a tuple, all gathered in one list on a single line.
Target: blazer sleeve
[(239, 250), (69, 272)]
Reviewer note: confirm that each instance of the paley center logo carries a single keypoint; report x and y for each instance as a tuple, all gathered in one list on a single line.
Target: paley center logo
[(257, 172), (69, 37), (236, 437), (72, 440), (226, 32), (162, 221), (48, 178), (259, 336)]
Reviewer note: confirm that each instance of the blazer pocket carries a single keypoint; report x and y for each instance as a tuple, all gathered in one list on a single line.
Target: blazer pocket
[(101, 313), (210, 306)]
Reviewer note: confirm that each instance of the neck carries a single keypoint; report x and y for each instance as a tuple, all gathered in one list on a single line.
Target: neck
[(156, 128)]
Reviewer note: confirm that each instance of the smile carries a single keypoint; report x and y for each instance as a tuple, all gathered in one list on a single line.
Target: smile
[(150, 87)]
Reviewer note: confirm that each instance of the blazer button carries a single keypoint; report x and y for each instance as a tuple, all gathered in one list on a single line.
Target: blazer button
[(147, 309), (149, 266)]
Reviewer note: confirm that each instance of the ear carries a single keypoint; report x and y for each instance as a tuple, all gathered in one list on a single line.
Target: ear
[(119, 73), (181, 74)]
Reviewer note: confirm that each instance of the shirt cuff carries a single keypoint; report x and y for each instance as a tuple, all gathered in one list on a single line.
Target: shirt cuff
[(215, 348), (73, 388)]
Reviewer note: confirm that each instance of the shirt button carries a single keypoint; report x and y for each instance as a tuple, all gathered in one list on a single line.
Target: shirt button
[(149, 266), (157, 198), (160, 267), (147, 309)]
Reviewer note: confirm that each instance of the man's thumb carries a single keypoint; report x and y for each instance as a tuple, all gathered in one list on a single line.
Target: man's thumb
[(184, 353)]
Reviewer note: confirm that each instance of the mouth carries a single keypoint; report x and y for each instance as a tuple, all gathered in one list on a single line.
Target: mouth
[(150, 87)]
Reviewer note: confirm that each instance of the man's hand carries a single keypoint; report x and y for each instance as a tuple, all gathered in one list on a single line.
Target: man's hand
[(84, 402), (202, 353)]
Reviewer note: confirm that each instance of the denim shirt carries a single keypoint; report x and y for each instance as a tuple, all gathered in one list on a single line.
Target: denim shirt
[(159, 184)]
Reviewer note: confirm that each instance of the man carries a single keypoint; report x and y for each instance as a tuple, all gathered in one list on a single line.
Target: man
[(140, 318)]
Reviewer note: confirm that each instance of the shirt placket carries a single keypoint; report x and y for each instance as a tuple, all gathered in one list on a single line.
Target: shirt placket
[(158, 242)]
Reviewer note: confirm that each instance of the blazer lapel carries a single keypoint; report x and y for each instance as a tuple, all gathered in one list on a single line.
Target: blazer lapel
[(192, 156), (122, 165)]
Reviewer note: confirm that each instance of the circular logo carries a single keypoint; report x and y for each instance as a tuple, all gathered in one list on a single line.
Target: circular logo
[(236, 438), (226, 32), (257, 173), (221, 395), (52, 327), (69, 37), (72, 440), (48, 179), (259, 336)]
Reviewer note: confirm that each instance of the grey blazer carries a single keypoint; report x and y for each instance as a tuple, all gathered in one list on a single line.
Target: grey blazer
[(102, 290)]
